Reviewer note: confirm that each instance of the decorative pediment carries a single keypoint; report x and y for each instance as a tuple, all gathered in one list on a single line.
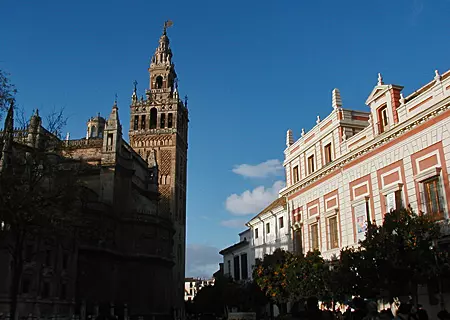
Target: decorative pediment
[(377, 92)]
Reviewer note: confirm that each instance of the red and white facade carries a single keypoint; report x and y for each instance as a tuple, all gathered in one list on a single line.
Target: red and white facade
[(353, 165)]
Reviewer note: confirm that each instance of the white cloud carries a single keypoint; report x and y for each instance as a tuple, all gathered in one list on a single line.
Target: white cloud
[(202, 260), (253, 201), (272, 167), (234, 223)]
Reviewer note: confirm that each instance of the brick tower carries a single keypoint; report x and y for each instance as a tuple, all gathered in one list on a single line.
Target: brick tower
[(159, 130)]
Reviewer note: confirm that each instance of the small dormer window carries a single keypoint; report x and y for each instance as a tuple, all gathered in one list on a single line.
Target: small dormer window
[(383, 119)]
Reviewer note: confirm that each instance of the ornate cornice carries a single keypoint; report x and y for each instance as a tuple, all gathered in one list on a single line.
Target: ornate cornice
[(377, 142)]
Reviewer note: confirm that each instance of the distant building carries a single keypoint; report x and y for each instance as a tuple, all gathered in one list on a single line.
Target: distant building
[(193, 285), (271, 230), (238, 259)]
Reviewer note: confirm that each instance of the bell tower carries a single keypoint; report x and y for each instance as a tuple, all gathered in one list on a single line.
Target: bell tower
[(159, 131)]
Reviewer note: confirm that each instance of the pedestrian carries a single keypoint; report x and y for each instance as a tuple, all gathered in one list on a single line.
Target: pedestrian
[(372, 311), (422, 314), (443, 315)]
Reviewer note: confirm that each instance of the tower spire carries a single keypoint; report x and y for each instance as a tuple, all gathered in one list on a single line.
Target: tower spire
[(134, 97), (163, 53), (8, 130)]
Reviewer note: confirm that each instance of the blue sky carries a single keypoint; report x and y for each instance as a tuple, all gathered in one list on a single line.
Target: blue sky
[(252, 70)]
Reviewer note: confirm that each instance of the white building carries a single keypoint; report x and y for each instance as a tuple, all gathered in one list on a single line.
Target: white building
[(270, 229), (193, 285), (238, 259)]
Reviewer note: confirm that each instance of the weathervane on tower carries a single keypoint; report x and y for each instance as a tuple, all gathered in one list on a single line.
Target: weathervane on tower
[(167, 24)]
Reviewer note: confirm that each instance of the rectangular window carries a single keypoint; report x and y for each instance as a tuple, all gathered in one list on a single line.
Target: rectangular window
[(163, 121), (256, 233), (110, 139), (26, 285), (281, 222), (48, 258), (29, 252), (65, 260), (333, 232), (298, 242), (433, 201), (45, 289), (244, 266), (311, 164), (267, 227), (383, 120), (136, 122), (237, 269), (143, 122), (327, 150), (295, 174), (314, 232), (63, 292)]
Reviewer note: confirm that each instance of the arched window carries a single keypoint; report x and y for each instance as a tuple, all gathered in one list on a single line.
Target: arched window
[(93, 131), (143, 122), (153, 118), (159, 82), (163, 120), (136, 122), (169, 120)]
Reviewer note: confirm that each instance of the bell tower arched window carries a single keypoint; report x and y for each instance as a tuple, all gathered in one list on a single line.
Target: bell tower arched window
[(153, 118), (169, 120), (159, 82), (163, 120)]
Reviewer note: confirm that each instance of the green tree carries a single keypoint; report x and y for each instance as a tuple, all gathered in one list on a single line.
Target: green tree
[(312, 277), (275, 275), (394, 257), (285, 277)]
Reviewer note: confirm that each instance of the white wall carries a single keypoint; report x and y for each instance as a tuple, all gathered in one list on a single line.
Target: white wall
[(278, 237)]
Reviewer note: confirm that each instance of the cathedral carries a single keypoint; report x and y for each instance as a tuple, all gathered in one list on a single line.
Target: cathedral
[(128, 259)]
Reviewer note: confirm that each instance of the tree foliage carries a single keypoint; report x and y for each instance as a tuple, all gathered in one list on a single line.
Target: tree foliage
[(227, 294), (394, 257), (285, 277), (392, 260), (7, 92)]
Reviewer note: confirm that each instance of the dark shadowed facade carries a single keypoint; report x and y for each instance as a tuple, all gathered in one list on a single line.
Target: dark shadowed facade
[(127, 257)]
